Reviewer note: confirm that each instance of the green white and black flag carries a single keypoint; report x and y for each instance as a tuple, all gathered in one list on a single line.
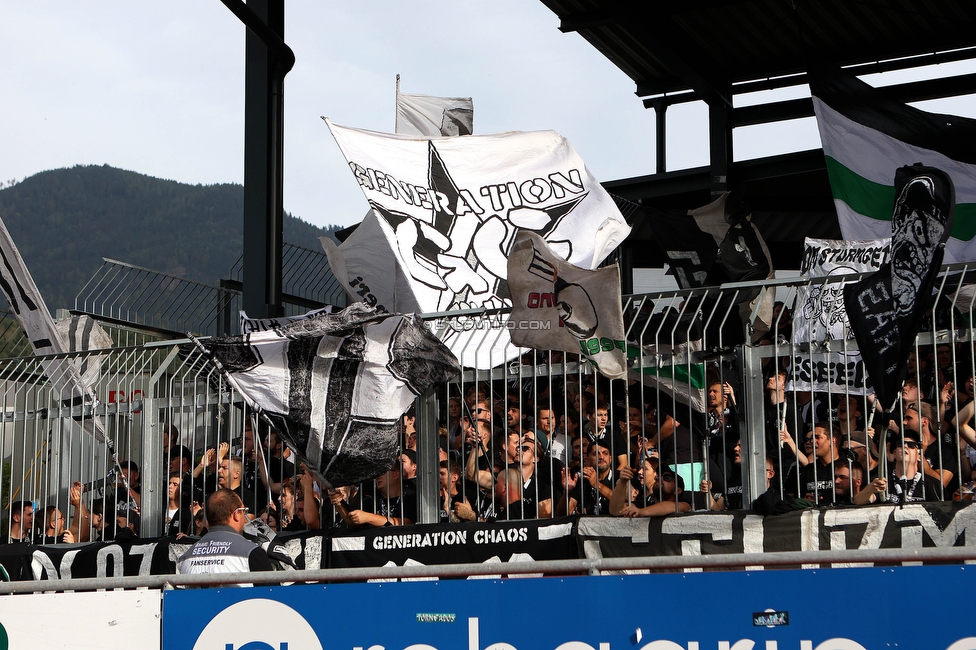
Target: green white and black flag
[(866, 136)]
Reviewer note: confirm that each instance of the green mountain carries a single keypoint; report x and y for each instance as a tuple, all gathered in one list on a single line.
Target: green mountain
[(65, 220)]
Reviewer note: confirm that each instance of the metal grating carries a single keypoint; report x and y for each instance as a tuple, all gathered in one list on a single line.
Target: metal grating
[(307, 279), (126, 293), (162, 306)]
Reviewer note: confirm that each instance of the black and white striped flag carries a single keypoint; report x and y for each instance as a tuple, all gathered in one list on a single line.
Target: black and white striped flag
[(335, 385), (72, 378)]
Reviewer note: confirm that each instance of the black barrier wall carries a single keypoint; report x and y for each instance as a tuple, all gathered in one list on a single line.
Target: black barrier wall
[(926, 525)]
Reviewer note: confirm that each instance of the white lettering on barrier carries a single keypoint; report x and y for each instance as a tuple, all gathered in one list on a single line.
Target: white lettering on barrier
[(752, 538), (833, 644), (809, 534), (963, 523), (115, 552), (719, 527), (837, 643), (146, 551), (41, 562), (66, 561), (876, 520)]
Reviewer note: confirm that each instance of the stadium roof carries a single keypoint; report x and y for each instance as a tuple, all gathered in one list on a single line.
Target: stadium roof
[(706, 45), (712, 50)]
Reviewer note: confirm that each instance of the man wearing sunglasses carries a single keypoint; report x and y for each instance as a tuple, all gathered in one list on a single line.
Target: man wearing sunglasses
[(906, 482), (223, 549), (939, 454)]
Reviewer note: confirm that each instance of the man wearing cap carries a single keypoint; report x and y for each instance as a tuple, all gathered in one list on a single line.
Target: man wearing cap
[(223, 549), (408, 461), (939, 457), (391, 506), (863, 445), (682, 450), (657, 497)]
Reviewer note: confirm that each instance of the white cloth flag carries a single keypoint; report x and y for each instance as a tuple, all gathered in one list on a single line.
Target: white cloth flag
[(821, 316), (434, 116), (31, 312), (867, 136), (369, 271), (364, 264), (558, 306), (450, 208)]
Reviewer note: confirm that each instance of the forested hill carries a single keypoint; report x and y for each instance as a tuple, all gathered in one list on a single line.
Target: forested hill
[(64, 221)]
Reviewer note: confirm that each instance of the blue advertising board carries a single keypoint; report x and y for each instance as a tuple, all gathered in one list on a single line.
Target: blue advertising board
[(833, 609)]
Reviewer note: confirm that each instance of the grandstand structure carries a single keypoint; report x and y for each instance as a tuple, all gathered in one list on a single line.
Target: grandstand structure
[(150, 389)]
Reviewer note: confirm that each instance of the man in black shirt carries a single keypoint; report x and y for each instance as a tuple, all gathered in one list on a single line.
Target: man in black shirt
[(596, 429), (939, 453), (594, 486), (508, 496), (389, 506), (815, 481)]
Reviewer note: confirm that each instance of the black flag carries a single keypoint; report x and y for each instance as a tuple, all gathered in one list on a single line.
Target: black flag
[(886, 308), (690, 251)]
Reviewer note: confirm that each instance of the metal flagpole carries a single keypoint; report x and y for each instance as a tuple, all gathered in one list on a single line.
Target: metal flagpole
[(396, 107)]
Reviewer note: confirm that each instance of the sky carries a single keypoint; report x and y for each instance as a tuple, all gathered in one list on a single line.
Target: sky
[(158, 88)]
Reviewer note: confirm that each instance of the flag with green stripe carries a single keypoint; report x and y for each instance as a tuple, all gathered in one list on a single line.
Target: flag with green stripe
[(866, 137), (684, 382)]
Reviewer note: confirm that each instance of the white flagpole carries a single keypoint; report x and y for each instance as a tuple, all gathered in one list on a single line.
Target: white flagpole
[(396, 107)]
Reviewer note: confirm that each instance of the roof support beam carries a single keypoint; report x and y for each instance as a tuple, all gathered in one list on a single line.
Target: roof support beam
[(669, 44), (719, 145), (916, 91)]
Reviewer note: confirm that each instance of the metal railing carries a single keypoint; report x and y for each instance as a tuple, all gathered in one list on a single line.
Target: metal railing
[(148, 391), (593, 567)]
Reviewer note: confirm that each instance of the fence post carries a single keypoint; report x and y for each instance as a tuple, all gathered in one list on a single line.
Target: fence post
[(428, 459), (753, 437), (154, 497)]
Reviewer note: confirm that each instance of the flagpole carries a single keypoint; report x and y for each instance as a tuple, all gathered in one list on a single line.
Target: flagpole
[(396, 112)]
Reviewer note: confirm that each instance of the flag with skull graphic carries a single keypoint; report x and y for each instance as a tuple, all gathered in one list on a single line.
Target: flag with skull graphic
[(558, 306), (887, 307)]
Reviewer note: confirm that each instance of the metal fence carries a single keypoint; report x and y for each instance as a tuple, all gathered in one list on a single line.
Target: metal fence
[(127, 294), (696, 409)]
